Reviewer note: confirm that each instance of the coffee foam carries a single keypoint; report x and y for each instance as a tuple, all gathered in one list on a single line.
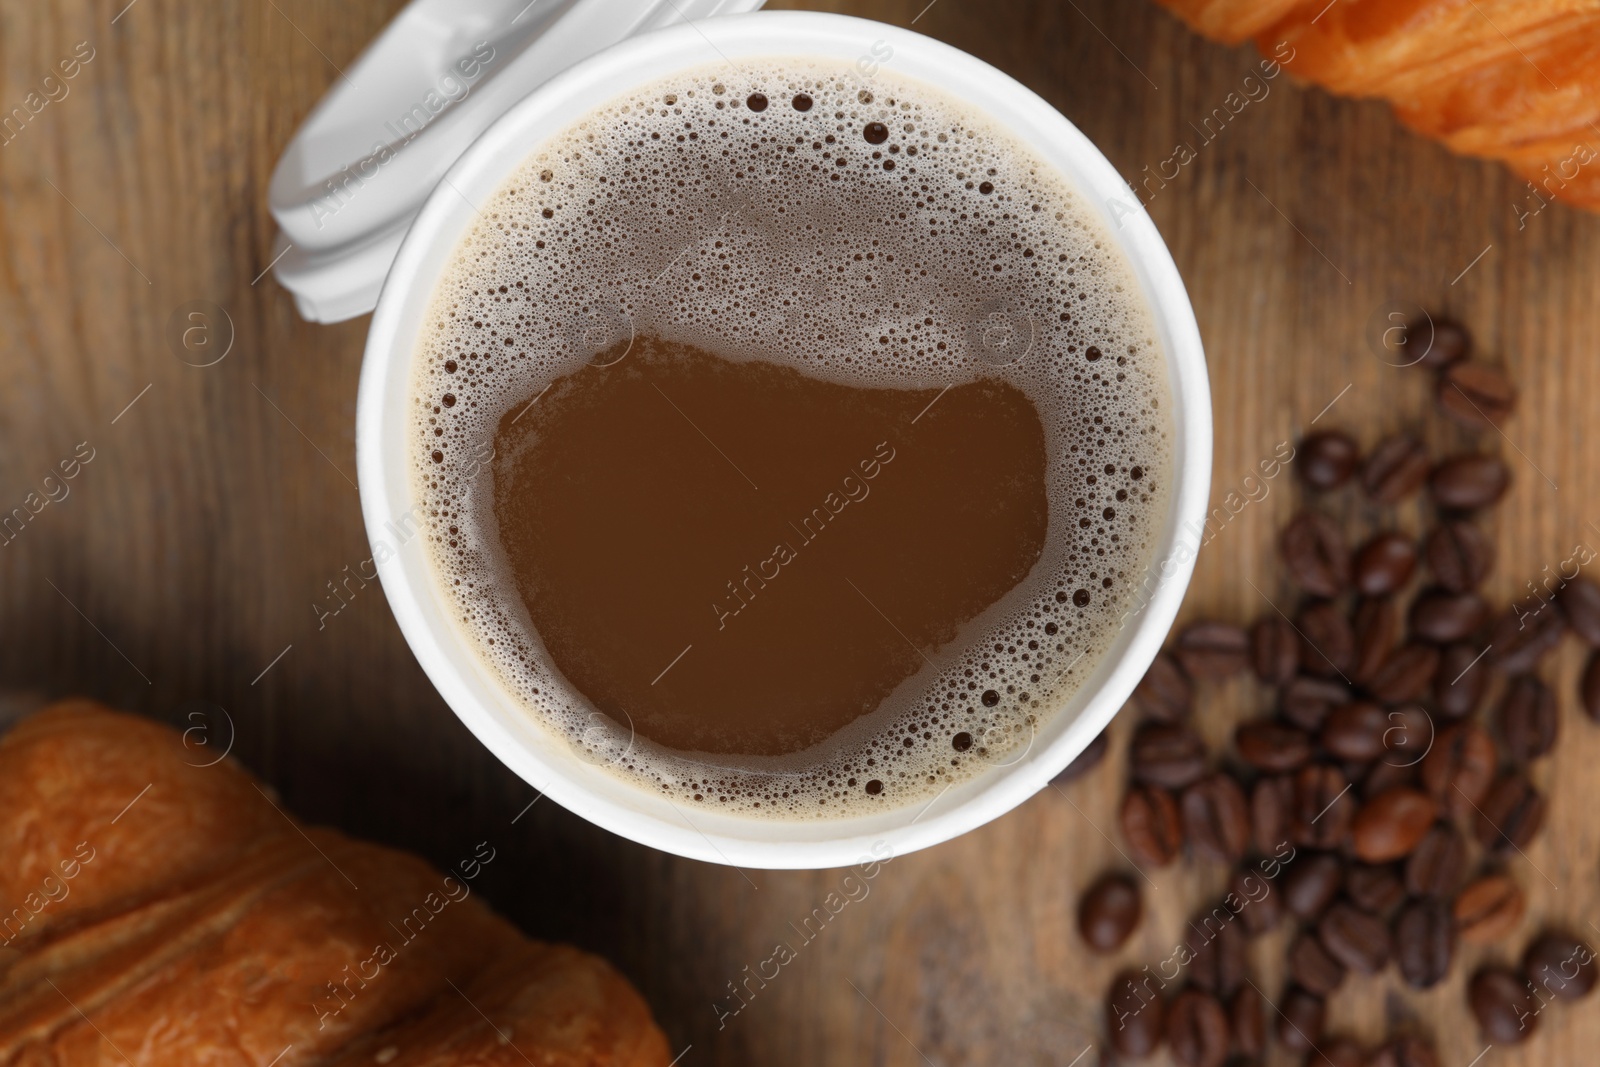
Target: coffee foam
[(872, 233)]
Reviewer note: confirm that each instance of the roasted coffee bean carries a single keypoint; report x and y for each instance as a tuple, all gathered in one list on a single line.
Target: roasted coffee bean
[(1373, 887), (1476, 395), (1311, 883), (1435, 867), (1406, 674), (1274, 649), (1306, 700), (1460, 555), (1259, 904), (1444, 343), (1314, 551), (1424, 943), (1338, 1052), (1216, 818), (1488, 909), (1197, 1029), (1459, 685), (1247, 1022), (1410, 736), (1355, 938), (1375, 629), (1327, 459), (1460, 767), (1311, 966), (1167, 755), (1085, 761), (1506, 1010), (1327, 644), (1528, 720), (1384, 564), (1135, 1015), (1579, 601), (1221, 952), (1355, 732), (1510, 815), (1300, 1019), (1271, 799), (1404, 1052), (1323, 807), (1164, 693), (1440, 616), (1561, 965), (1272, 745), (1212, 649), (1109, 912), (1152, 825), (1391, 824), (1395, 469), (1589, 688), (1517, 642), (1468, 482)]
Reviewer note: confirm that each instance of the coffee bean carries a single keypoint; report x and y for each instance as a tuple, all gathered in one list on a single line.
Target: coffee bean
[(1274, 649), (1476, 395), (1109, 912), (1459, 685), (1395, 469), (1135, 1015), (1164, 694), (1561, 965), (1260, 905), (1247, 1022), (1339, 1052), (1435, 867), (1311, 966), (1327, 459), (1085, 761), (1511, 814), (1580, 603), (1355, 731), (1506, 1010), (1311, 882), (1272, 745), (1589, 687), (1424, 943), (1197, 1029), (1468, 482), (1151, 825), (1409, 737), (1384, 564), (1306, 700), (1323, 807), (1212, 649), (1441, 616), (1404, 1052), (1221, 952), (1460, 555), (1406, 674), (1355, 938), (1216, 818), (1444, 343), (1460, 767), (1327, 644), (1517, 642), (1167, 755), (1528, 720), (1375, 628), (1271, 799), (1314, 552), (1373, 887), (1488, 909), (1392, 823), (1300, 1019)]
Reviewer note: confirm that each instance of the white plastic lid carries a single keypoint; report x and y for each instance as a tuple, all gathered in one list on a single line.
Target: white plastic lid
[(348, 186)]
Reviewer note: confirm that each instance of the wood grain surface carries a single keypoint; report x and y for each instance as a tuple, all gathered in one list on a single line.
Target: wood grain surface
[(185, 561)]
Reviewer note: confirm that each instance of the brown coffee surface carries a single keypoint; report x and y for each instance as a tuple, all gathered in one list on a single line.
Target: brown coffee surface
[(737, 558)]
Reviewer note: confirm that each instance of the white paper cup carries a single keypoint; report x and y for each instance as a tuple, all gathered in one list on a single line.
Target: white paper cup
[(472, 690)]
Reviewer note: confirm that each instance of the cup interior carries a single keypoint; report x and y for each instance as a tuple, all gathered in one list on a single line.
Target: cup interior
[(387, 495)]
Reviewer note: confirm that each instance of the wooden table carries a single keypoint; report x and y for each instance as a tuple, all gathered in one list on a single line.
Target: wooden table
[(219, 503)]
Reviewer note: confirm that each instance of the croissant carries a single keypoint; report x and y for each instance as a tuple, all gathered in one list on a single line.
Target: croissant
[(159, 910), (1512, 80)]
